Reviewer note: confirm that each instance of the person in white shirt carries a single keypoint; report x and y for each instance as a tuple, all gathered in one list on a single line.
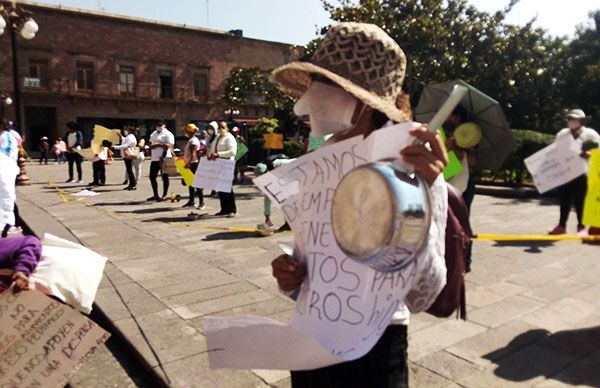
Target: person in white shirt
[(573, 192), (161, 141), (191, 156), (99, 164), (129, 142), (74, 138), (224, 147), (9, 144)]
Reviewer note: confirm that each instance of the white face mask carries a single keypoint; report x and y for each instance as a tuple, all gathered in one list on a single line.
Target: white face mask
[(329, 107)]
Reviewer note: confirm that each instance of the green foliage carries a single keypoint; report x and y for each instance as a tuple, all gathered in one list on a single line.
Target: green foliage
[(448, 39), (514, 172), (293, 148)]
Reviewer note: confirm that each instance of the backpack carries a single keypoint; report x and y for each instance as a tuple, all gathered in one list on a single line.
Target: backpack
[(458, 248)]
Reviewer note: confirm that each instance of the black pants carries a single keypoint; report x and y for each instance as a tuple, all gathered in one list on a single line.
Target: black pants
[(227, 201), (130, 174), (74, 157), (154, 170), (99, 169), (572, 193), (384, 366), (194, 191), (44, 156)]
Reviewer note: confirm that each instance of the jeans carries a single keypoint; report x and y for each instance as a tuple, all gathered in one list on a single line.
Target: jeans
[(154, 170), (129, 170), (137, 167), (74, 157), (572, 193), (99, 171), (194, 191), (384, 366)]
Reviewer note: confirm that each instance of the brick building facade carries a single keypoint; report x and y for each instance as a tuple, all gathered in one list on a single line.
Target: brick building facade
[(113, 70)]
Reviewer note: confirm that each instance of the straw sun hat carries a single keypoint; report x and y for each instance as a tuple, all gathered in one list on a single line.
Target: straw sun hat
[(362, 59)]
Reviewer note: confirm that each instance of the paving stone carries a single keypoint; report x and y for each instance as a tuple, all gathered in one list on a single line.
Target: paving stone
[(584, 372), (434, 338), (221, 304), (558, 289), (591, 294), (193, 372), (503, 311), (419, 376), (482, 295), (450, 367), (208, 294), (539, 276), (271, 377), (579, 340), (561, 314), (138, 300), (498, 342)]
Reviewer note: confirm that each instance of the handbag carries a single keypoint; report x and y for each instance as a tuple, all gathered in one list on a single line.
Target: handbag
[(131, 153), (168, 166)]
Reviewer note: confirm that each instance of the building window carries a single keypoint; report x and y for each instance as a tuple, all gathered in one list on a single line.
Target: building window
[(126, 80), (165, 78), (85, 76), (200, 85), (38, 74)]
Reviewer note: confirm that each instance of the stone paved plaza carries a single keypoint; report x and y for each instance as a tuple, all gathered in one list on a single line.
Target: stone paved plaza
[(533, 309)]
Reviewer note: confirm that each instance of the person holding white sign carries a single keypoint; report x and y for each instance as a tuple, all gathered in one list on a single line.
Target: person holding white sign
[(225, 147), (573, 192), (353, 86)]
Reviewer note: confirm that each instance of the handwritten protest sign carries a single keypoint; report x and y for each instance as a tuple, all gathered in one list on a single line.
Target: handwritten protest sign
[(273, 141), (591, 207), (215, 175), (556, 164), (343, 306), (42, 341)]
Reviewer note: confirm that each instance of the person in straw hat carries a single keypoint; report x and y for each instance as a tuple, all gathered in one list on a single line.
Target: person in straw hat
[(353, 86), (573, 192)]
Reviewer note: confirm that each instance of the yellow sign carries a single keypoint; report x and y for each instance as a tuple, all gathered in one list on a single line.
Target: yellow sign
[(186, 173), (591, 207), (273, 141), (101, 133)]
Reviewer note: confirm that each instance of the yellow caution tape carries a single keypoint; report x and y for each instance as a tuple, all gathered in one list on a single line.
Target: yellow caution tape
[(533, 237)]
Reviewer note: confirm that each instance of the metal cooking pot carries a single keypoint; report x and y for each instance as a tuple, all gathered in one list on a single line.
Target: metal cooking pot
[(381, 215)]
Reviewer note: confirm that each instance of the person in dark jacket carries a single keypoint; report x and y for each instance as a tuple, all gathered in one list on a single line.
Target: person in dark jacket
[(74, 138)]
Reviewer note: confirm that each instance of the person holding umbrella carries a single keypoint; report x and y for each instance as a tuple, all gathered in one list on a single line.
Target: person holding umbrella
[(573, 192)]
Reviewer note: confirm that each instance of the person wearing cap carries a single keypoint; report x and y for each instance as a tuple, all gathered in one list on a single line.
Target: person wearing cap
[(352, 86), (224, 147), (191, 156), (74, 139), (128, 141), (573, 193), (161, 141), (44, 148)]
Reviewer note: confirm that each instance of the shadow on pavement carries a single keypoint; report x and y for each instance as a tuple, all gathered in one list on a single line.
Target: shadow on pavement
[(541, 201), (168, 219), (123, 203), (583, 345), (147, 211), (531, 246), (247, 196), (230, 236)]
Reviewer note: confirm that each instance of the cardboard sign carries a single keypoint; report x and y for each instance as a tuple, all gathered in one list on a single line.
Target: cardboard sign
[(215, 175), (556, 164), (42, 341), (273, 141), (591, 207), (102, 133), (343, 306), (186, 174)]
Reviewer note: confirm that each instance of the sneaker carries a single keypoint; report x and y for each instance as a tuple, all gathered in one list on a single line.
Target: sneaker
[(201, 206), (188, 204), (15, 230), (230, 215), (132, 188), (93, 184), (69, 180), (221, 213), (153, 198), (582, 231), (80, 181), (558, 229)]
